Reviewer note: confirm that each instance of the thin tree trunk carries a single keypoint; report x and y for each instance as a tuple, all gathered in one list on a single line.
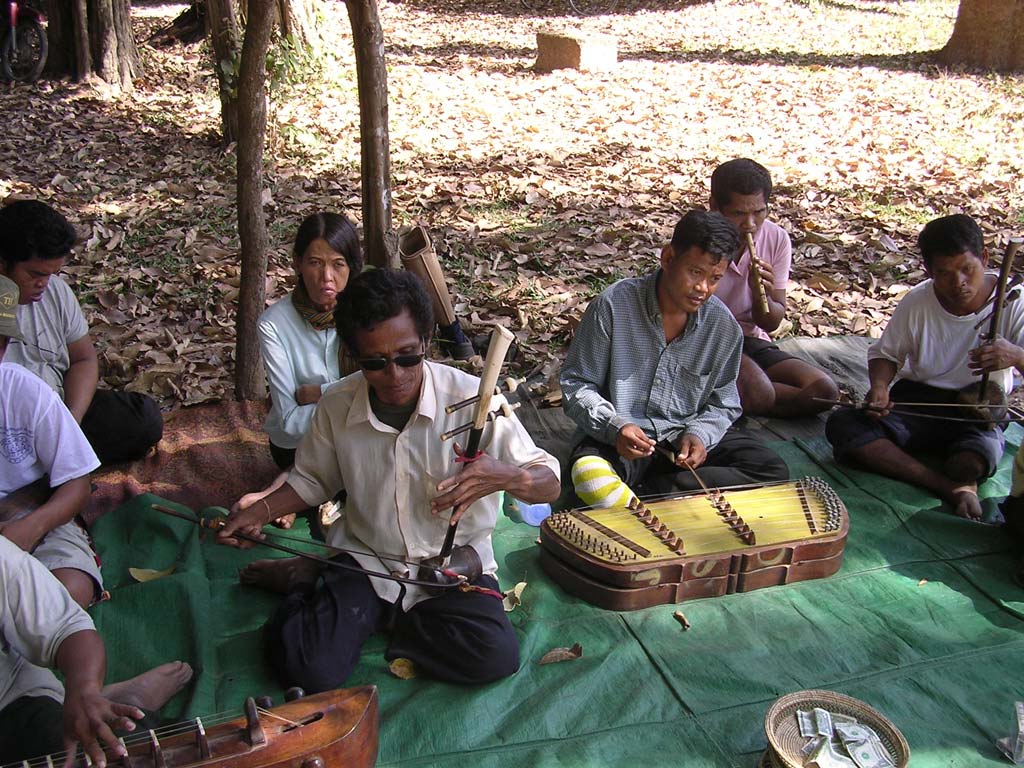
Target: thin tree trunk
[(104, 41), (83, 55), (298, 22), (252, 102), (129, 65), (60, 31), (372, 79), (222, 18)]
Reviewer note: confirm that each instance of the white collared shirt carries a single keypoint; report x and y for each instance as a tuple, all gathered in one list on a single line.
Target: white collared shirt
[(294, 353), (392, 476)]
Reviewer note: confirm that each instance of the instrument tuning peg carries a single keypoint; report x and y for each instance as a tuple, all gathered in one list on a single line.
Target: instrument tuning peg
[(294, 693), (264, 702)]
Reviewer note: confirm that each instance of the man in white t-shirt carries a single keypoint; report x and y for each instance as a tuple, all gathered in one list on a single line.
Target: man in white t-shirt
[(42, 628), (771, 382), (35, 244), (45, 462), (931, 350)]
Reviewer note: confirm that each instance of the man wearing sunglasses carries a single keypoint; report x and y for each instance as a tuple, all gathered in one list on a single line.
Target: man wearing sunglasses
[(376, 434)]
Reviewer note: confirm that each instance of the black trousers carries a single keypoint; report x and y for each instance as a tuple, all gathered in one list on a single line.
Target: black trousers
[(737, 460), (30, 727), (315, 639), (122, 426)]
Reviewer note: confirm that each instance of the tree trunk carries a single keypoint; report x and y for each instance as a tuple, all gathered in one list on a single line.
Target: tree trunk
[(93, 38), (298, 22), (252, 229), (989, 34), (372, 79), (225, 39)]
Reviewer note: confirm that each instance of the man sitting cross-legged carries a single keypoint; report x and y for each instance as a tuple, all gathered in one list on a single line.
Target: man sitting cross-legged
[(43, 628), (653, 365), (930, 349), (45, 462), (376, 434), (771, 382), (35, 244)]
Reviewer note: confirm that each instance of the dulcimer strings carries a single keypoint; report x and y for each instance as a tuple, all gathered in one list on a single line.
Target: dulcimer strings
[(773, 500)]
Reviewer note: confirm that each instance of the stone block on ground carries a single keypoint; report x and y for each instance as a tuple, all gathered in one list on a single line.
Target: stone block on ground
[(575, 50)]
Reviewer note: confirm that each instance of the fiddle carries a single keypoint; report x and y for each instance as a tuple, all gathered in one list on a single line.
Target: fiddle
[(335, 728), (462, 564)]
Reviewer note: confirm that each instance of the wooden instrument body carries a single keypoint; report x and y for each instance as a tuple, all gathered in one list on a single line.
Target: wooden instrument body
[(336, 728), (598, 555)]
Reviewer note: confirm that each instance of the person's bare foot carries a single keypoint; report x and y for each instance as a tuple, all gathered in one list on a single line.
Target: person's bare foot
[(282, 575), (151, 690), (966, 504), (285, 522)]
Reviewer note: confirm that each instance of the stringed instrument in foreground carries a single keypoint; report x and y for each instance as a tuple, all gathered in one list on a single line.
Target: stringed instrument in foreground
[(702, 544), (335, 729)]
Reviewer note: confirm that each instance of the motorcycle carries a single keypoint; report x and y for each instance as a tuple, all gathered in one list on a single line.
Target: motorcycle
[(23, 43)]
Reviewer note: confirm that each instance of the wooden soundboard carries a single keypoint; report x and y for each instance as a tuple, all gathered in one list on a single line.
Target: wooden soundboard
[(696, 545)]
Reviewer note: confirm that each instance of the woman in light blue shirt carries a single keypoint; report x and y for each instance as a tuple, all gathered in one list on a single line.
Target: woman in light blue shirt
[(300, 346)]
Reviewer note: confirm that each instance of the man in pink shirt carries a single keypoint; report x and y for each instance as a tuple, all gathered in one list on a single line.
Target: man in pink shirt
[(771, 382)]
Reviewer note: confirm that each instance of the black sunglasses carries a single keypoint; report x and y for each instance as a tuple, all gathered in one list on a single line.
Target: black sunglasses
[(380, 363)]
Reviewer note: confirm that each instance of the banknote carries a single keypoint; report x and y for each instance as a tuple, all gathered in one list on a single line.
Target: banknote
[(816, 722), (864, 746), (1013, 746), (805, 721), (826, 755)]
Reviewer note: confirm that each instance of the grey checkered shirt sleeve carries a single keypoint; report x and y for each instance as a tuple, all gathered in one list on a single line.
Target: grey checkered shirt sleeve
[(619, 370)]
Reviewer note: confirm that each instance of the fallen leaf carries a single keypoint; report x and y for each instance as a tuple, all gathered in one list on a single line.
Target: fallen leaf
[(514, 598), (556, 655), (149, 574), (403, 669)]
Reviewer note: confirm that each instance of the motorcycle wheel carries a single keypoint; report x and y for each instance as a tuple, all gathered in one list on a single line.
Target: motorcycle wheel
[(24, 61)]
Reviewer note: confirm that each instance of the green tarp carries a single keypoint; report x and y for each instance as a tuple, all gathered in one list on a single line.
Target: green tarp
[(923, 622)]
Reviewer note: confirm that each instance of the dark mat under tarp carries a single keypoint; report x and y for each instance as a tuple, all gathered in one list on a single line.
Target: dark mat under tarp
[(923, 621)]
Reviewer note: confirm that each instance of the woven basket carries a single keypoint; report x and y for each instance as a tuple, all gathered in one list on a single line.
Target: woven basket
[(785, 741)]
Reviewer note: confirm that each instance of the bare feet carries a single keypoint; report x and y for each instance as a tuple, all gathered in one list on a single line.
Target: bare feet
[(285, 522), (964, 499), (151, 690), (282, 575)]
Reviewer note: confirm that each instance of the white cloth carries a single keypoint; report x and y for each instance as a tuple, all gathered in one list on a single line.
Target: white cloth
[(391, 476), (36, 615), (48, 326), (38, 434), (294, 353), (930, 345)]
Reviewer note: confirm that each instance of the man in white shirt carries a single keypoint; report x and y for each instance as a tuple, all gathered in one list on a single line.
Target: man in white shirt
[(35, 244), (42, 628), (376, 434), (931, 350), (45, 462)]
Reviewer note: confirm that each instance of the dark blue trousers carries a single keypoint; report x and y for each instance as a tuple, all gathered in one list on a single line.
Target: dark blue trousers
[(315, 639)]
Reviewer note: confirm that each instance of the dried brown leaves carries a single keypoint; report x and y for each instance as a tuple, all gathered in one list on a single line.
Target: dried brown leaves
[(539, 190)]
